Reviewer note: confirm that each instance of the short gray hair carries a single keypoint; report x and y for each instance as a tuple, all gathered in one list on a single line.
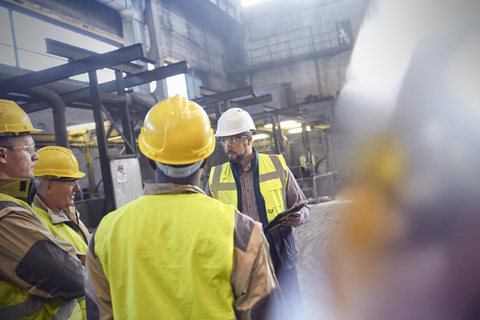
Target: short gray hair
[(39, 181)]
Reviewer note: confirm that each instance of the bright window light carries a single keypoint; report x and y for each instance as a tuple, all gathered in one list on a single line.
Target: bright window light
[(260, 136), (246, 3), (177, 85), (295, 130), (287, 124), (88, 126), (30, 34), (6, 42), (153, 84)]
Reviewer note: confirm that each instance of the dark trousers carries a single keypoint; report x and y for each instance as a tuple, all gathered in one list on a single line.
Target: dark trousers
[(291, 291)]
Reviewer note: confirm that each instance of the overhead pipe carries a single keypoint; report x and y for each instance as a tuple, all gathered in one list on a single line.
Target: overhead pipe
[(58, 109), (145, 101)]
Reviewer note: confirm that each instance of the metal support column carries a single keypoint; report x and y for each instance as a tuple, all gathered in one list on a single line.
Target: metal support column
[(277, 131), (89, 161), (307, 150), (227, 104), (126, 121), (218, 111), (102, 143)]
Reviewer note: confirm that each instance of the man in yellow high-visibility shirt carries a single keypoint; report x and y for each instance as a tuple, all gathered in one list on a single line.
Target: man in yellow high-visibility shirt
[(175, 253)]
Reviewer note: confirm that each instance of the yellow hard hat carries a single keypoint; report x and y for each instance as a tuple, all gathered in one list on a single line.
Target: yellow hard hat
[(57, 161), (176, 132), (13, 119)]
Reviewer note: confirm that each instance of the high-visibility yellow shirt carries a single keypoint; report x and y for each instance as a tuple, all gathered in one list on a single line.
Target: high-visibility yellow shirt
[(169, 256), (273, 178)]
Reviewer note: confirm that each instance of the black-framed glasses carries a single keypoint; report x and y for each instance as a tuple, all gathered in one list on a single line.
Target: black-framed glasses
[(231, 141), (28, 149), (69, 182)]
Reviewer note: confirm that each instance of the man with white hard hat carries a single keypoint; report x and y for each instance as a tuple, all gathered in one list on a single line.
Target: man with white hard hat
[(260, 186)]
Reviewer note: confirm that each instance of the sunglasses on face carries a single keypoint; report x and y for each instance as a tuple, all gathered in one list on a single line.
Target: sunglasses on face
[(28, 149), (69, 182), (231, 141)]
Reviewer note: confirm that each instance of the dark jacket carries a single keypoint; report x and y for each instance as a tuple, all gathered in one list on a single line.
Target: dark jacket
[(281, 241)]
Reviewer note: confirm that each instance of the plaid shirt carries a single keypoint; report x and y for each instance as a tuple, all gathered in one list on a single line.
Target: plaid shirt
[(249, 207)]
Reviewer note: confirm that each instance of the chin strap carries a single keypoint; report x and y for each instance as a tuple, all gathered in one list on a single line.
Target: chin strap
[(175, 172)]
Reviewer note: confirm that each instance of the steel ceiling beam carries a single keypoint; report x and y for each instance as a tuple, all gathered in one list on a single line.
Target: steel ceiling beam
[(226, 95), (291, 111), (75, 53), (130, 81), (251, 101), (89, 64), (245, 103)]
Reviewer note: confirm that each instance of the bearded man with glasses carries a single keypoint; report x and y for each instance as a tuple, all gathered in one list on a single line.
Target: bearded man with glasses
[(40, 275), (261, 186)]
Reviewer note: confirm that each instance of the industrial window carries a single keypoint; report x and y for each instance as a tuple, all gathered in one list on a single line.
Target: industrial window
[(194, 80), (177, 85), (22, 43), (186, 85)]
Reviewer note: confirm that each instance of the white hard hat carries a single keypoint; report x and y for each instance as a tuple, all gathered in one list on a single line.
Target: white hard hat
[(234, 121)]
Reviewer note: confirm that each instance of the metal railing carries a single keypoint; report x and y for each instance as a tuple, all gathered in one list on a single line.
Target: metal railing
[(282, 50)]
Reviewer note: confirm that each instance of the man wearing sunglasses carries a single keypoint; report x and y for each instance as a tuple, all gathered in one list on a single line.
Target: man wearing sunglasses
[(260, 186), (40, 275)]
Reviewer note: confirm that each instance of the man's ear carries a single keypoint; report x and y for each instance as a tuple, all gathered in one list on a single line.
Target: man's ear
[(3, 155), (48, 187), (249, 140), (152, 164)]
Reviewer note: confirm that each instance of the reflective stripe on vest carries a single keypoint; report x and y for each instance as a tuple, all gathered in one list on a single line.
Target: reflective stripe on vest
[(16, 303), (61, 230), (169, 256), (273, 178)]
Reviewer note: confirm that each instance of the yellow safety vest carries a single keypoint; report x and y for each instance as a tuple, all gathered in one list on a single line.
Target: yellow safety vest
[(273, 177), (61, 230), (16, 303), (169, 256), (66, 234)]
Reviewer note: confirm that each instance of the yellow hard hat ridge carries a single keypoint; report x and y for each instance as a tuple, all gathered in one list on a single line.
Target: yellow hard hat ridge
[(176, 131), (13, 119), (57, 161)]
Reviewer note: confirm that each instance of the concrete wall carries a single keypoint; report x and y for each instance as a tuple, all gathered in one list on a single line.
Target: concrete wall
[(297, 43), (301, 35), (187, 39)]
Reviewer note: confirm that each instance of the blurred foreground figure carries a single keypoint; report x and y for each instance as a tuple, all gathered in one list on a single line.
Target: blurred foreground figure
[(175, 253), (408, 249)]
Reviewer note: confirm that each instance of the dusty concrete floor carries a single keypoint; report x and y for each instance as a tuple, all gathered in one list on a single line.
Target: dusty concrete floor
[(312, 241)]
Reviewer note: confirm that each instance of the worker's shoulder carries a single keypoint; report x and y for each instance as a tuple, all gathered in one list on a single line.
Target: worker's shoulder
[(220, 166), (245, 229), (11, 207)]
